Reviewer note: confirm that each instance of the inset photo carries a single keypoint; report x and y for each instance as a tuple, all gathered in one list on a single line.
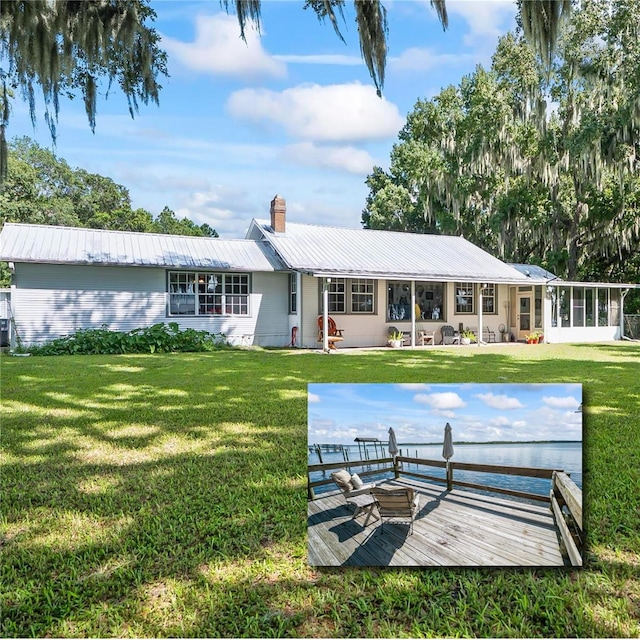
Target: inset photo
[(477, 475)]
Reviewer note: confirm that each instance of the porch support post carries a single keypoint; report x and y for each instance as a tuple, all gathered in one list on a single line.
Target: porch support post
[(480, 290), (623, 294), (413, 313), (325, 315)]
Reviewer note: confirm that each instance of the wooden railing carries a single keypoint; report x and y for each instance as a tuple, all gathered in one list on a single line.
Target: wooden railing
[(358, 464), (566, 503), (565, 497), (397, 469)]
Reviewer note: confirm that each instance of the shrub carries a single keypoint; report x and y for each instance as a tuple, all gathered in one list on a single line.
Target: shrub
[(159, 338)]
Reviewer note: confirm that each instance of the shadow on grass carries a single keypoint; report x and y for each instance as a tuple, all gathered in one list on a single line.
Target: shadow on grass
[(166, 495)]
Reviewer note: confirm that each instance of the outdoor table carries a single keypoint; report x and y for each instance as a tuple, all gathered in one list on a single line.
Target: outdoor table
[(364, 502)]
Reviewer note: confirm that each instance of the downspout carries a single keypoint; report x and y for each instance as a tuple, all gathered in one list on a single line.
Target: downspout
[(325, 315), (413, 313)]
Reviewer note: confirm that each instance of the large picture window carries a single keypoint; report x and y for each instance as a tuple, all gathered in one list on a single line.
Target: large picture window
[(429, 301), (464, 297), (194, 293)]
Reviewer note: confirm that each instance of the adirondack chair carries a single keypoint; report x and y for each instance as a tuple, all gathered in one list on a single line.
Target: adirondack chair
[(449, 335), (335, 334)]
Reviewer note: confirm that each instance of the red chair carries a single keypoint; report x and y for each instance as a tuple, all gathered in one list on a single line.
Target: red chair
[(335, 334)]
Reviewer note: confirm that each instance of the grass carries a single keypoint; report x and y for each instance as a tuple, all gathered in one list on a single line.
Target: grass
[(165, 495)]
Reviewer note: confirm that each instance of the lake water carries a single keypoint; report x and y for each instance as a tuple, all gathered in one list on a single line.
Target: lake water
[(549, 455)]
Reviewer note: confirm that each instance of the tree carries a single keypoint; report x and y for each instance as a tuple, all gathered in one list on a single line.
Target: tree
[(166, 222), (533, 165), (43, 189), (539, 19), (66, 47)]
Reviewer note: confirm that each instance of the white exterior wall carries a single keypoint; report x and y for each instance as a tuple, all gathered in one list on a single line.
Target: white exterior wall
[(581, 334), (54, 300)]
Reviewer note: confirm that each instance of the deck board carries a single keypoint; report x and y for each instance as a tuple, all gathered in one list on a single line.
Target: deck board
[(457, 528)]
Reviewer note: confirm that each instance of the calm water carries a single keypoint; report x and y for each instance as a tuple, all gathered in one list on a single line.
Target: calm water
[(550, 455)]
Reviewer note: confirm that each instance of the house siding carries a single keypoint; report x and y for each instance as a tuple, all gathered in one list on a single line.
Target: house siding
[(54, 300)]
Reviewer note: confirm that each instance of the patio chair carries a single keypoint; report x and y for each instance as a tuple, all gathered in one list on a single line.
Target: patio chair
[(355, 492), (400, 504), (335, 334), (449, 335), (424, 336), (488, 335)]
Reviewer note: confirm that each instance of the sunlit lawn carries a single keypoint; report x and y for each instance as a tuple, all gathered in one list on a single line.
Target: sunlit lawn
[(166, 496)]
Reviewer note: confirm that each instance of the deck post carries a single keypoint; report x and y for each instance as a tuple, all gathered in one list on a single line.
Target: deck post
[(396, 468)]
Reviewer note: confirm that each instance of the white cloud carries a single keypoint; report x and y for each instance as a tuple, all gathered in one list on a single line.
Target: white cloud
[(420, 386), (442, 401), (332, 113), (422, 59), (313, 398), (218, 49), (499, 401), (225, 209), (487, 21), (567, 402), (333, 59), (331, 157)]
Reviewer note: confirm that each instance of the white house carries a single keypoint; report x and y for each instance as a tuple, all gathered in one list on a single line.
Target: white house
[(284, 279)]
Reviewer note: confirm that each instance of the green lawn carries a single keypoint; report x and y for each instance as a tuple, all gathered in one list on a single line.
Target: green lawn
[(165, 495)]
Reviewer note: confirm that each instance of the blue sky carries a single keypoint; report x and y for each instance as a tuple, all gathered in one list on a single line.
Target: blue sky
[(292, 112), (338, 413)]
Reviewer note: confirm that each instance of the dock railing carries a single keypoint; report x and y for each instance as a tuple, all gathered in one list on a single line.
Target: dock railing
[(566, 504), (363, 468), (564, 499)]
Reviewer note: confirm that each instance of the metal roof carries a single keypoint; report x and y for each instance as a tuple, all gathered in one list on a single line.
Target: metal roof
[(73, 245), (337, 251), (534, 272), (538, 275)]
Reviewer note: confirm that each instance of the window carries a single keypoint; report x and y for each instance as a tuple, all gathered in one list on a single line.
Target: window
[(429, 301), (554, 306), (204, 293), (537, 307), (362, 296), (464, 297), (589, 296), (337, 295), (347, 295), (489, 303), (578, 306), (603, 307), (614, 307), (293, 293), (565, 306)]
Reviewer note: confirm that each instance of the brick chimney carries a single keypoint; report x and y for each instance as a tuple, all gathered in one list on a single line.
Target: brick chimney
[(278, 214)]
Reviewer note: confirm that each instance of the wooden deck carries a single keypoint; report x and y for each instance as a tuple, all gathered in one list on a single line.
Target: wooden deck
[(456, 528)]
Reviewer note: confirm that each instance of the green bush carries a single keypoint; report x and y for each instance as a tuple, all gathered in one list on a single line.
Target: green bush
[(159, 338)]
